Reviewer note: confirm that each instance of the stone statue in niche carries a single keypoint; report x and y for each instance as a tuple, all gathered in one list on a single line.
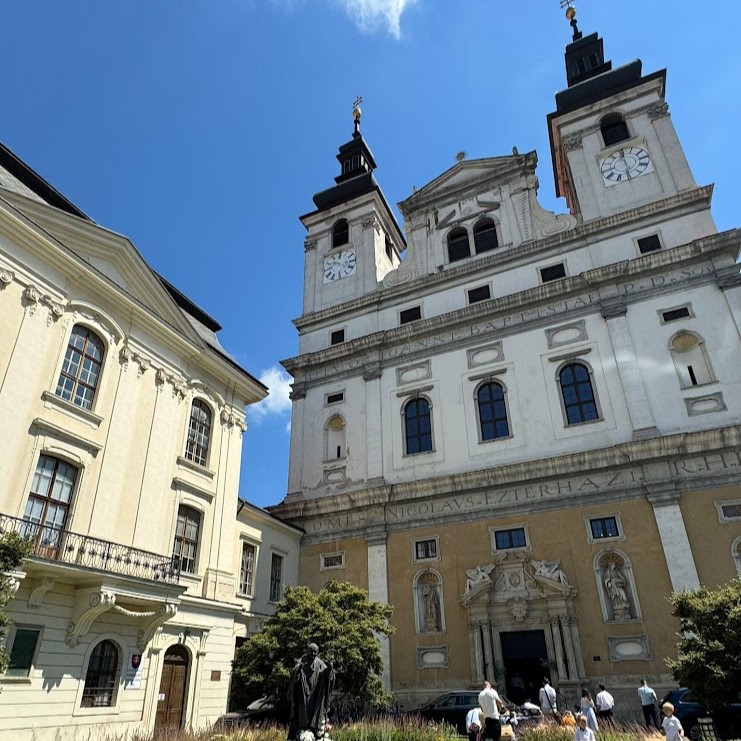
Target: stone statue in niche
[(615, 583), (550, 570), (478, 576), (431, 604)]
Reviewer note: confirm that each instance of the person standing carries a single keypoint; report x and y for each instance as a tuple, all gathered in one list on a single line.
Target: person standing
[(671, 725), (648, 705), (473, 723), (491, 706), (605, 704), (547, 697), (587, 710)]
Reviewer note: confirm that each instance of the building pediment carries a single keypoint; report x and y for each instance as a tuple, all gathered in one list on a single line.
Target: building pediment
[(469, 174), (515, 578)]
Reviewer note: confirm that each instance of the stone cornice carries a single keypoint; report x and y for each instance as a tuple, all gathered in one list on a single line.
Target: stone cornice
[(626, 282), (653, 468), (558, 244)]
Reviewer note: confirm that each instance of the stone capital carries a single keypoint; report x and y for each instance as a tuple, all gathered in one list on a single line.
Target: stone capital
[(572, 142), (371, 372), (663, 494), (658, 110), (310, 243), (613, 310), (728, 278)]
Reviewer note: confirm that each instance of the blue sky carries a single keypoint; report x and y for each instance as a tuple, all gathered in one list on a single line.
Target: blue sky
[(202, 128)]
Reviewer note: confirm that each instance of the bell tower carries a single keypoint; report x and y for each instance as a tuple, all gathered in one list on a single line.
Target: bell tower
[(613, 143), (353, 239)]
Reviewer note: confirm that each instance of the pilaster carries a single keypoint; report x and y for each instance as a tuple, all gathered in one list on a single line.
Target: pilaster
[(378, 591), (664, 499), (374, 436)]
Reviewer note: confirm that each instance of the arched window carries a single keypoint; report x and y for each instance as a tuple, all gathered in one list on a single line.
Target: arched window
[(458, 247), (492, 411), (199, 433), (48, 504), (428, 602), (81, 368), (485, 236), (614, 129), (690, 360), (102, 676), (417, 426), (340, 233), (185, 545), (616, 586), (334, 435), (580, 404)]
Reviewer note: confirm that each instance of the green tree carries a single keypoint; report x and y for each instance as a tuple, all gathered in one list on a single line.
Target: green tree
[(709, 659), (341, 620), (13, 549)]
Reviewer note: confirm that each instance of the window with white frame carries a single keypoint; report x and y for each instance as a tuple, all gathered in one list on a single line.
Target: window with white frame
[(276, 577), (247, 569), (199, 433), (604, 527), (83, 359), (101, 679), (185, 546), (22, 651)]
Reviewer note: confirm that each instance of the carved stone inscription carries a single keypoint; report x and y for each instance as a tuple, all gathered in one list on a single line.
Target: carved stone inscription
[(425, 344), (496, 498), (667, 279)]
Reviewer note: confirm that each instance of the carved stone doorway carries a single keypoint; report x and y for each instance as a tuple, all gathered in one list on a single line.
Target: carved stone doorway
[(519, 593), (172, 694), (524, 654)]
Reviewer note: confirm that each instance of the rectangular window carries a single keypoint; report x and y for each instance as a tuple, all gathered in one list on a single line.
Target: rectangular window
[(514, 538), (333, 560), (276, 577), (185, 547), (731, 511), (425, 549), (410, 315), (247, 568), (674, 314), (337, 337), (22, 652), (336, 398), (552, 272), (479, 294), (649, 244), (604, 527)]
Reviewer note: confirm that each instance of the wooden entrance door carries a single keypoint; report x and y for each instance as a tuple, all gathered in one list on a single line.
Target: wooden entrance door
[(171, 698)]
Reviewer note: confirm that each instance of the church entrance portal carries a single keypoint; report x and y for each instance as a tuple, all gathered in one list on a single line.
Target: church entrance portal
[(525, 663)]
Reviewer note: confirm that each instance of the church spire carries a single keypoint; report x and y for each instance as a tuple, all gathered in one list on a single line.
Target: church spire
[(585, 56), (571, 17)]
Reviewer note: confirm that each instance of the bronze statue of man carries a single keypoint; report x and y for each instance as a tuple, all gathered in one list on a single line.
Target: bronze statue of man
[(309, 690)]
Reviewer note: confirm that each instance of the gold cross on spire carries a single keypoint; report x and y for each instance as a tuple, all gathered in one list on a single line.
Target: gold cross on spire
[(571, 16), (357, 113)]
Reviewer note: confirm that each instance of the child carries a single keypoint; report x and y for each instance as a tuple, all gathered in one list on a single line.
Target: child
[(672, 726), (582, 732)]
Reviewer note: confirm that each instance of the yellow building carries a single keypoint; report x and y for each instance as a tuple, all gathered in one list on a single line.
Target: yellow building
[(524, 434), (122, 435)]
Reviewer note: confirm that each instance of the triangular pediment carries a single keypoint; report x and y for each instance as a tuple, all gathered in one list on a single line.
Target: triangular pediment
[(468, 174), (110, 254)]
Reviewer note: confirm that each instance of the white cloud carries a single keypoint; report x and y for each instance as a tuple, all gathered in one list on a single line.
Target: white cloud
[(370, 14), (278, 402)]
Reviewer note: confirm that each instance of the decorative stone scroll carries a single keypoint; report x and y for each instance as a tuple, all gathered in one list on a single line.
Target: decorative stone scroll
[(157, 620), (88, 606), (36, 598), (33, 297), (6, 277)]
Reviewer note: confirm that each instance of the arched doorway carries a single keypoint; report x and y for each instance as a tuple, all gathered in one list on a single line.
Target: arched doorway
[(172, 693)]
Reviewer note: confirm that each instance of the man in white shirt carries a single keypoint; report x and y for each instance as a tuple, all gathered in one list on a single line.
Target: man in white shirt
[(491, 705), (547, 698), (605, 703), (473, 723), (648, 705)]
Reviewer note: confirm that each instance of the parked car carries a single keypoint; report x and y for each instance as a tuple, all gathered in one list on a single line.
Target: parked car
[(259, 712), (452, 708), (687, 710)]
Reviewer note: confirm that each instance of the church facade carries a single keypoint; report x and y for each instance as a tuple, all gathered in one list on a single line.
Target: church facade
[(122, 433), (524, 435)]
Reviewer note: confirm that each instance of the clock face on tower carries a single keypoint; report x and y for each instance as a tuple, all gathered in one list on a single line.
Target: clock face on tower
[(340, 265), (625, 164)]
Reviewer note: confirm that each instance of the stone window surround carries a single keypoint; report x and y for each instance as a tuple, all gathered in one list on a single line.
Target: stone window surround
[(334, 329), (435, 559), (469, 224), (115, 708), (328, 403), (656, 232), (720, 503), (410, 395), (597, 541), (687, 305), (274, 551), (553, 264), (473, 288), (324, 567), (625, 115), (4, 679), (576, 357), (245, 539), (210, 443), (491, 377), (493, 530)]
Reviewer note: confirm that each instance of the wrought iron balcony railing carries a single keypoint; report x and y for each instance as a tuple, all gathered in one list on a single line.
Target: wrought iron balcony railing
[(54, 544)]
